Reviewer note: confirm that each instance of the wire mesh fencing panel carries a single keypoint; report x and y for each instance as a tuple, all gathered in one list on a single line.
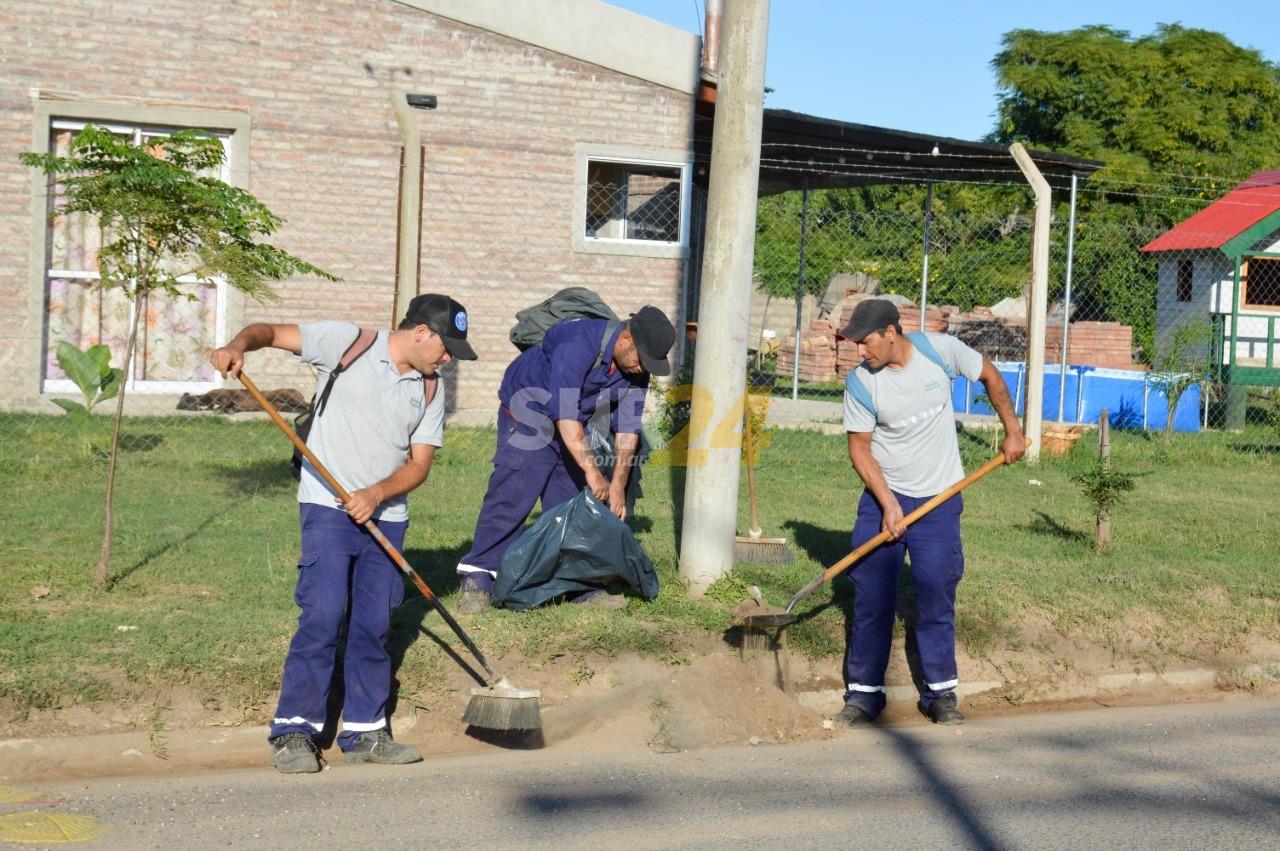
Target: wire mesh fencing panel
[(1140, 327), (1164, 335)]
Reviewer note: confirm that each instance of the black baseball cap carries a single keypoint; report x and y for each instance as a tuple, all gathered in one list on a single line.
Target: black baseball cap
[(654, 335), (447, 318), (874, 314)]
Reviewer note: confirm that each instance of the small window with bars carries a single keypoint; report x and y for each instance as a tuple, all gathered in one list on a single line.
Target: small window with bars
[(1262, 283), (1185, 270), (635, 202)]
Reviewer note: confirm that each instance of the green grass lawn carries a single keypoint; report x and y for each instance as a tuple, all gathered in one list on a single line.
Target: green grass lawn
[(812, 391), (207, 540)]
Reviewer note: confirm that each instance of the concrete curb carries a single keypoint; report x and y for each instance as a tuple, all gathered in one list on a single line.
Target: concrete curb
[(829, 701)]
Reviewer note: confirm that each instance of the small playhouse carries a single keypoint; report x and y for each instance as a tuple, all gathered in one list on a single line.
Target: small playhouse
[(1222, 266)]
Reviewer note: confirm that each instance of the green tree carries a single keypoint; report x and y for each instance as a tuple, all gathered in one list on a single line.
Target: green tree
[(1177, 102), (977, 254), (1181, 363), (1177, 116), (164, 218)]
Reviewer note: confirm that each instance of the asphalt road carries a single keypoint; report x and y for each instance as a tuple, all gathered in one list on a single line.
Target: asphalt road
[(1182, 776)]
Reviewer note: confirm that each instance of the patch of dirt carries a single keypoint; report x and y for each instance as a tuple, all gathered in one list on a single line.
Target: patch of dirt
[(706, 696)]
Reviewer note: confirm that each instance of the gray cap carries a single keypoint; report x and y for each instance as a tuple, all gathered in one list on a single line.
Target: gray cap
[(872, 315)]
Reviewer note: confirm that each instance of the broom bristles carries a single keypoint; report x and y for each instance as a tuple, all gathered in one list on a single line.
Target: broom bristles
[(761, 550), (503, 707), (755, 641)]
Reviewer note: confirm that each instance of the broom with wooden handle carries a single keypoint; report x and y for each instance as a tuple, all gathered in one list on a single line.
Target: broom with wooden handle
[(497, 706), (754, 547), (769, 619)]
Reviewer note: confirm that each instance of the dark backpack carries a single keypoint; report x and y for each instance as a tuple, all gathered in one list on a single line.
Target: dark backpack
[(570, 303), (302, 424)]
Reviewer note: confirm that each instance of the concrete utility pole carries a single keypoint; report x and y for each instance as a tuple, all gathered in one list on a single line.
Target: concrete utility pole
[(1038, 304), (720, 362)]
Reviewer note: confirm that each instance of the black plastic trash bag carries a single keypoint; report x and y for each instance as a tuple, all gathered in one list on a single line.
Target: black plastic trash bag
[(602, 444), (577, 546)]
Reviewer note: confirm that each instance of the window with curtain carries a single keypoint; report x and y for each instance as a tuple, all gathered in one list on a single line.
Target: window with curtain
[(176, 332)]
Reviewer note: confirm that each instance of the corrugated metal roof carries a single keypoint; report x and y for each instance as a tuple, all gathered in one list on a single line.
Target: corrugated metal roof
[(1232, 214)]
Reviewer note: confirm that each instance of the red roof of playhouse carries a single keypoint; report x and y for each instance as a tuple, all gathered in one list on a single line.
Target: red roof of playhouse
[(1228, 217)]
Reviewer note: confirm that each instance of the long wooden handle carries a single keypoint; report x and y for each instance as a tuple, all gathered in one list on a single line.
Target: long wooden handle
[(372, 527), (749, 436), (843, 564)]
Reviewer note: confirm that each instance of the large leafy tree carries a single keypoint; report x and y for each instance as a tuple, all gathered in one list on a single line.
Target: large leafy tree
[(166, 222), (1178, 102), (1177, 116)]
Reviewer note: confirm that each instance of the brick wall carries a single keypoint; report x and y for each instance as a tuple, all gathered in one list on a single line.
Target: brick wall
[(825, 358), (499, 175)]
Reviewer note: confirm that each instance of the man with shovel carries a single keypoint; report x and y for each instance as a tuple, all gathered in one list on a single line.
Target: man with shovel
[(377, 423), (902, 443)]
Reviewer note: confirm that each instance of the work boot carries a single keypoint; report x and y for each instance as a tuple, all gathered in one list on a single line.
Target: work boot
[(475, 596), (943, 710), (853, 716), (294, 753), (378, 746)]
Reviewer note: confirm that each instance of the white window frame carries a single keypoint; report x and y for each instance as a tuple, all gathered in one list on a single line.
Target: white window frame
[(586, 154), (133, 385)]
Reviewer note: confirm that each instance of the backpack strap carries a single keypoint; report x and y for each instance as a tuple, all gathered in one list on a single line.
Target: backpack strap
[(854, 387), (853, 384), (921, 342), (364, 339), (610, 326)]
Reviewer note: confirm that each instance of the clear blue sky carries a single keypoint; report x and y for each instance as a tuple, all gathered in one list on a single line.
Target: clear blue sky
[(926, 66)]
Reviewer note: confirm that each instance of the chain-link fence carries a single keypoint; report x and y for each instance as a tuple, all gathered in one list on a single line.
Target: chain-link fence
[(1163, 328)]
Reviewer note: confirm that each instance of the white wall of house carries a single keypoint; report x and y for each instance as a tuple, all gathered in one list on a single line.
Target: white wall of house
[(1212, 288)]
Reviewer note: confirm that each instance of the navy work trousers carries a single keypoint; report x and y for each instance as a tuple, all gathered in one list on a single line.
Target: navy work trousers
[(937, 563), (344, 576), (521, 477)]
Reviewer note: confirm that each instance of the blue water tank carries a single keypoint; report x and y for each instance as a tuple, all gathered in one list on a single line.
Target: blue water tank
[(1130, 397)]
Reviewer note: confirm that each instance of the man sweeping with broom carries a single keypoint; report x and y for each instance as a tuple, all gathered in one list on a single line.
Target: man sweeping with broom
[(902, 443), (377, 423)]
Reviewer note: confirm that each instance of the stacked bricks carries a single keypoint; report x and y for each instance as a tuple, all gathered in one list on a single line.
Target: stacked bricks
[(847, 357), (817, 353), (824, 358), (936, 320), (1103, 344)]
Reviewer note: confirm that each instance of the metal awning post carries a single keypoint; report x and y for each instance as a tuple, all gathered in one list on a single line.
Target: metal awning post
[(924, 267), (804, 233), (1066, 301)]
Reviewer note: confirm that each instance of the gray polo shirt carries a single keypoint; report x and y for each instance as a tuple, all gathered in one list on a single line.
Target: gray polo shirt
[(373, 415), (913, 433)]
